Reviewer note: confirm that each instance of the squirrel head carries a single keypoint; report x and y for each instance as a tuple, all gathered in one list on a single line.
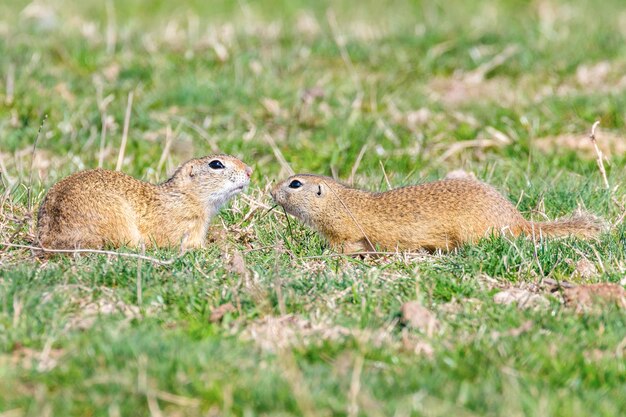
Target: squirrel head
[(307, 197), (214, 179)]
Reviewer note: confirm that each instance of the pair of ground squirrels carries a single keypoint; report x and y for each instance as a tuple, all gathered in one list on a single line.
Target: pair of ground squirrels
[(96, 208), (439, 215)]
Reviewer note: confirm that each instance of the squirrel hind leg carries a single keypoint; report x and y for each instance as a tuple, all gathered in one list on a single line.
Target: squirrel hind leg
[(70, 241), (91, 237)]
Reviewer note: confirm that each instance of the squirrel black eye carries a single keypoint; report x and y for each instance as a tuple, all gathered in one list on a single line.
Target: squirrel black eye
[(215, 164), (295, 184)]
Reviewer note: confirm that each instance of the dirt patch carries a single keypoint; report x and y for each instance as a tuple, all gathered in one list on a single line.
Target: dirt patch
[(475, 85), (523, 299), (416, 316), (274, 333), (591, 297), (32, 359), (611, 144), (457, 91), (218, 313), (603, 77), (458, 306), (89, 311)]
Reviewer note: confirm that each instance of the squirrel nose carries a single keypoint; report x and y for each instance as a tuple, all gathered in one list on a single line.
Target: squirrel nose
[(248, 171)]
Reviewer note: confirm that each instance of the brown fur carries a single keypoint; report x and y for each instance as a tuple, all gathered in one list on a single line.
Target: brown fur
[(93, 208), (437, 215)]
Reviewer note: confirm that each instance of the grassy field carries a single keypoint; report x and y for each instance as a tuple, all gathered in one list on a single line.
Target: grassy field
[(386, 93)]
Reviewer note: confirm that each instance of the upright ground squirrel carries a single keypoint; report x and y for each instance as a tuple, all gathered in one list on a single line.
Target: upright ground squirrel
[(93, 208)]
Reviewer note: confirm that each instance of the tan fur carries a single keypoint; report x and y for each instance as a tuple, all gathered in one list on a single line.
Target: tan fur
[(437, 215), (98, 207)]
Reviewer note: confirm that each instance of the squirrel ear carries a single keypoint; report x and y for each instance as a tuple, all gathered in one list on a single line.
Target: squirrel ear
[(319, 190), (190, 170)]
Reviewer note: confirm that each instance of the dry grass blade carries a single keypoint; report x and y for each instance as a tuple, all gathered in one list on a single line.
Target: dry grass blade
[(177, 399), (139, 284), (600, 160), (103, 103), (288, 223), (404, 255), (475, 143), (622, 216), (268, 211), (16, 412), (32, 162), (355, 387), (111, 34), (478, 75), (294, 377), (279, 155), (357, 162), (169, 137), (120, 156), (257, 203), (4, 174), (10, 88), (382, 167), (96, 251)]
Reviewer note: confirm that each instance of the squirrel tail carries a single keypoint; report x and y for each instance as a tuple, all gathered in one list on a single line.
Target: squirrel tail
[(580, 224)]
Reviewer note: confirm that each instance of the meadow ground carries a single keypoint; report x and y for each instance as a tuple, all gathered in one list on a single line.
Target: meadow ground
[(270, 321)]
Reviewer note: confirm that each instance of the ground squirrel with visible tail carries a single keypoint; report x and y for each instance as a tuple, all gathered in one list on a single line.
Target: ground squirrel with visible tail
[(96, 208), (439, 215)]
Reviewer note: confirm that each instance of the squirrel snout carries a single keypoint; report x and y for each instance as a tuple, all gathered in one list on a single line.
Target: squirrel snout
[(248, 171), (274, 194)]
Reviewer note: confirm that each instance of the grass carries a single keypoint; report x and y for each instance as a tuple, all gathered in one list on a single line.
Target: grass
[(312, 333)]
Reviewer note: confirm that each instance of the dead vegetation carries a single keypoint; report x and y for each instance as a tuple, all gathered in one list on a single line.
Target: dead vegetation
[(594, 297), (583, 298), (32, 359), (83, 306), (17, 224), (521, 298), (416, 316), (293, 332), (613, 144), (457, 91)]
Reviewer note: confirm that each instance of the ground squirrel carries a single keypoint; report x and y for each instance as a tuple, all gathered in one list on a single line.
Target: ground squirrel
[(436, 215), (98, 207)]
